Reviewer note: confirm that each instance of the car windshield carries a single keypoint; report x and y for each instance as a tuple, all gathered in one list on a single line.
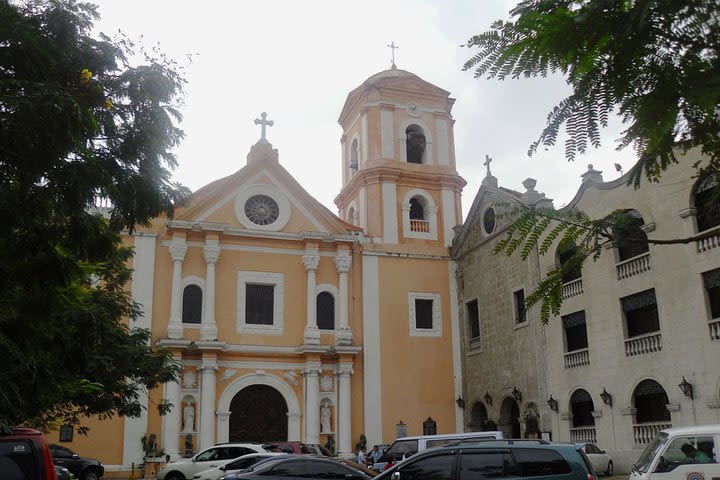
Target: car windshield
[(398, 449), (647, 456), (264, 463)]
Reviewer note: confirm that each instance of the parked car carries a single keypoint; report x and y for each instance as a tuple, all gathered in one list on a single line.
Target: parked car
[(24, 454), (83, 468), (317, 449), (302, 467), (602, 462), (403, 447), (518, 459), (217, 456), (237, 465), (298, 448), (366, 470)]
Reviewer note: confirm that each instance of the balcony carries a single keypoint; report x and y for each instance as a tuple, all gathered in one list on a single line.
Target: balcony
[(578, 358), (474, 344), (648, 343), (633, 266), (572, 288), (714, 326), (645, 432), (422, 226), (583, 435), (708, 243)]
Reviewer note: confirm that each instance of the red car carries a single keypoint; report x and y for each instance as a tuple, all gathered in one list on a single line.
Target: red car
[(297, 448), (24, 453)]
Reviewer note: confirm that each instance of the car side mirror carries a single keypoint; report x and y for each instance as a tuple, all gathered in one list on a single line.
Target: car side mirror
[(603, 452), (395, 475), (75, 456)]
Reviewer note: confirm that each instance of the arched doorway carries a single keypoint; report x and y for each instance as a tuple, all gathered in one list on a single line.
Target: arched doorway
[(258, 413), (509, 415), (478, 417)]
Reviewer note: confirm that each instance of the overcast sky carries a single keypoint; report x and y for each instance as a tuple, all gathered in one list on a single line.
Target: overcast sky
[(298, 60)]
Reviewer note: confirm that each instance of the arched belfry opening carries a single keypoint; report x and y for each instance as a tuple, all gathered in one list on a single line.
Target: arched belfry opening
[(258, 413), (415, 144)]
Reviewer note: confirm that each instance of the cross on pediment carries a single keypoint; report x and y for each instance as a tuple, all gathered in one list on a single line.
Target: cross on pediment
[(487, 163), (265, 123)]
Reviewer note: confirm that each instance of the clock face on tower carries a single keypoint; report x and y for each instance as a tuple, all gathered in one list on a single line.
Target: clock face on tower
[(413, 109)]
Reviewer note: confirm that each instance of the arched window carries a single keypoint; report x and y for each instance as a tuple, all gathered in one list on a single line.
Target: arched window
[(415, 144), (192, 304), (650, 402), (581, 406), (325, 311), (632, 240), (564, 255), (354, 157), (707, 203), (417, 215), (351, 216)]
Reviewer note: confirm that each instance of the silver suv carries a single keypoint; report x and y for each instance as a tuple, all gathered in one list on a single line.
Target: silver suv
[(212, 457)]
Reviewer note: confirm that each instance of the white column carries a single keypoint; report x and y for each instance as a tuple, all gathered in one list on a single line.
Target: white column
[(311, 261), (312, 403), (208, 329), (344, 412), (171, 421), (343, 335), (178, 249), (208, 368)]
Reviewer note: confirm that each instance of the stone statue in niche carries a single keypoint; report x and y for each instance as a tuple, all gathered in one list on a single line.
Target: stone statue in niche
[(325, 416), (188, 418)]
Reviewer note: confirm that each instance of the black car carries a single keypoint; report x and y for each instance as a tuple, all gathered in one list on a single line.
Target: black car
[(81, 467), (301, 467)]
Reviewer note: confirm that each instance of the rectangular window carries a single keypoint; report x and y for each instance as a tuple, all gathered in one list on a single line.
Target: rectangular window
[(519, 297), (711, 280), (259, 304), (66, 433), (575, 331), (423, 313), (641, 314), (473, 319)]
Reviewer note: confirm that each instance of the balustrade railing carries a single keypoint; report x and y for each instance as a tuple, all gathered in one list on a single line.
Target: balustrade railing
[(474, 344), (583, 434), (633, 266), (419, 226), (651, 342), (572, 288), (709, 243), (714, 327), (577, 358), (645, 432)]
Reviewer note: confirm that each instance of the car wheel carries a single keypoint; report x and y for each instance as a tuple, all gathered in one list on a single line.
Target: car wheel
[(174, 476), (609, 470), (91, 475)]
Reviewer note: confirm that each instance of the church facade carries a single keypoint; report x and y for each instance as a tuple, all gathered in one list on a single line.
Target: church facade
[(636, 346), (293, 323)]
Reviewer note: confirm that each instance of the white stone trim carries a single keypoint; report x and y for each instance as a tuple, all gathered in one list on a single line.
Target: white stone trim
[(258, 378), (362, 209), (364, 139), (372, 361), (456, 349), (262, 189), (428, 159), (389, 203), (448, 215), (332, 290), (443, 141), (386, 134), (262, 278), (436, 330), (430, 211)]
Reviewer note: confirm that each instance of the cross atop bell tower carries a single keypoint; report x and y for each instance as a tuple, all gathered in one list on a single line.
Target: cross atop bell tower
[(265, 123)]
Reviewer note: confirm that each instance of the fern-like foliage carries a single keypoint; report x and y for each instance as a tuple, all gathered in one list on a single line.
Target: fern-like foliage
[(656, 62)]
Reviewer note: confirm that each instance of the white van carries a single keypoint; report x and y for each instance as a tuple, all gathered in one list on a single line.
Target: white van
[(406, 446), (687, 453)]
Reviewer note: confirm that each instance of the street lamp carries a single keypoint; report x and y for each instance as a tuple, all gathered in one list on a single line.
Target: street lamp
[(516, 394), (606, 398), (488, 398), (552, 403), (686, 388)]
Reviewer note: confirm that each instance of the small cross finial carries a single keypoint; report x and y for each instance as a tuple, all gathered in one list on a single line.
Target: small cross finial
[(487, 163), (265, 123), (392, 47)]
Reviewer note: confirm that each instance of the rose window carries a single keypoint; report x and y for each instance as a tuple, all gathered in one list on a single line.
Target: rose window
[(262, 210)]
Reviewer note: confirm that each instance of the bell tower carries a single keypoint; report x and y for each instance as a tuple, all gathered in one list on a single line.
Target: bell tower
[(399, 181)]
